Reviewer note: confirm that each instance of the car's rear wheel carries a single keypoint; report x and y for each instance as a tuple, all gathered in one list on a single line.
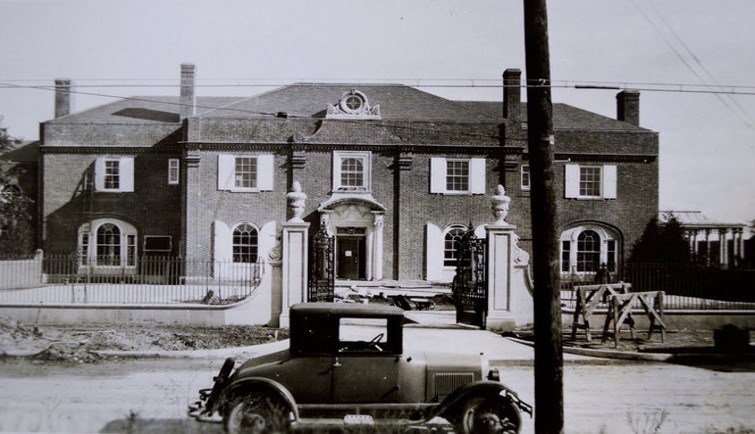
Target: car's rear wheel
[(260, 413), (488, 415)]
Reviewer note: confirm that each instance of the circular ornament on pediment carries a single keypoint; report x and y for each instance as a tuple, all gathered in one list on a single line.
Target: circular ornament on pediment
[(353, 102)]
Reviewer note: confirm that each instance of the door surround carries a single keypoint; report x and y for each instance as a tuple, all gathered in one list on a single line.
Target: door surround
[(355, 215)]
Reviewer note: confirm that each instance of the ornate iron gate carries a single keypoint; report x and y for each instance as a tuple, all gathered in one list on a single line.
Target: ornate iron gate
[(470, 286), (322, 272)]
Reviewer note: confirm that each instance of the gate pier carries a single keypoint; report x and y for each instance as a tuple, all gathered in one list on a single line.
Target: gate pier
[(509, 292)]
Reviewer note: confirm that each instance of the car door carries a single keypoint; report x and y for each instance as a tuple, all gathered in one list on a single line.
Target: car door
[(365, 370)]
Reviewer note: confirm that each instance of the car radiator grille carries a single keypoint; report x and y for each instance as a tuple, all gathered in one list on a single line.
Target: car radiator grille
[(445, 383)]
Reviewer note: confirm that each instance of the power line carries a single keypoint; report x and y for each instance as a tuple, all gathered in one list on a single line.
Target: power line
[(567, 84)]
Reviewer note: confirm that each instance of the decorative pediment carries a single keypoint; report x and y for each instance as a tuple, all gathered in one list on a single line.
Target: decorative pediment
[(353, 105)]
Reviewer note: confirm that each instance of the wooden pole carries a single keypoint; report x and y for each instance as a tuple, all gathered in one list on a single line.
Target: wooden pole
[(549, 395)]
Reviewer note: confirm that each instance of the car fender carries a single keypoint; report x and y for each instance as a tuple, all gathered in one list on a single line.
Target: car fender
[(258, 384), (453, 402)]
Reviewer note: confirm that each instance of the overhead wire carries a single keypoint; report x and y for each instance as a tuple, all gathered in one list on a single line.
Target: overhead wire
[(741, 114)]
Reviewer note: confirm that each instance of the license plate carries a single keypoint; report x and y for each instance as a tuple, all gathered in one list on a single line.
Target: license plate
[(358, 419)]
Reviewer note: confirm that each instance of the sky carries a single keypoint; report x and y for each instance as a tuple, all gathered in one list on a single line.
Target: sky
[(692, 60)]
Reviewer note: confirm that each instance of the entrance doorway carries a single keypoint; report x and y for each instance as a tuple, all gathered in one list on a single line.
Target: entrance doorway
[(351, 257)]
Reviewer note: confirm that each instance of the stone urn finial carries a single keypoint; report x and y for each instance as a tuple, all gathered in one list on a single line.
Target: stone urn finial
[(500, 205), (296, 199)]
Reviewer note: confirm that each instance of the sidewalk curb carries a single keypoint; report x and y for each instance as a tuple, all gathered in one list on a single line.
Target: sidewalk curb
[(607, 354)]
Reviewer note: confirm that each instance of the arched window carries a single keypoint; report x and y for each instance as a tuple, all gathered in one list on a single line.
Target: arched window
[(585, 247), (588, 251), (450, 244), (109, 245), (245, 243)]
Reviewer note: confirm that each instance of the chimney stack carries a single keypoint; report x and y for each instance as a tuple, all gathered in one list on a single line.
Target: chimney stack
[(188, 99), (62, 97), (628, 106), (512, 94)]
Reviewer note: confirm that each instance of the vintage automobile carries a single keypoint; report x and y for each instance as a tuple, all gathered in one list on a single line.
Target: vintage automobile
[(346, 367)]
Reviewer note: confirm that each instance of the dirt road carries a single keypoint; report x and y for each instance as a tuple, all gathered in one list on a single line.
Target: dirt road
[(150, 396)]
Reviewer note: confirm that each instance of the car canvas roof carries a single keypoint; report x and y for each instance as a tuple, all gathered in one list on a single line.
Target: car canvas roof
[(346, 309)]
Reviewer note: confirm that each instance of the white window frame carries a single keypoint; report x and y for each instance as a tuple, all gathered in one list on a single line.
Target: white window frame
[(366, 159), (227, 173), (525, 177), (174, 171), (450, 228), (609, 244), (128, 253), (608, 181), (439, 176), (125, 174)]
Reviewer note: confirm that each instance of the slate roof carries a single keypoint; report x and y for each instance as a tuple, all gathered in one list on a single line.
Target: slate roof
[(399, 103)]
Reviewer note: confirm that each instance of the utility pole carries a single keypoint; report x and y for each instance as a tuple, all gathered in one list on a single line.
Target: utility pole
[(549, 363)]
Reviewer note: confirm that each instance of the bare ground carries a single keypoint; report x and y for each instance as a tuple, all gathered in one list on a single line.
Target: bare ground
[(80, 343)]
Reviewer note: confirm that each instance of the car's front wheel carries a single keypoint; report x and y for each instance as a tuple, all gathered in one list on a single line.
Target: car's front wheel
[(257, 414), (488, 415)]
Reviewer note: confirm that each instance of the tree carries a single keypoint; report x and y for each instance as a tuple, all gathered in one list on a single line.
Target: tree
[(16, 230), (662, 242)]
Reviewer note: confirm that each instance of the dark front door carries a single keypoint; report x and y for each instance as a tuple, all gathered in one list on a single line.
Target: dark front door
[(350, 257)]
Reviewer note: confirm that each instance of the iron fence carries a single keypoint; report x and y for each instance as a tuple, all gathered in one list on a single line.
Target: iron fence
[(150, 280), (686, 286)]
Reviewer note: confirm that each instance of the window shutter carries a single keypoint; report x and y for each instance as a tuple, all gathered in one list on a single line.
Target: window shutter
[(226, 168), (609, 182), (571, 186), (265, 172), (434, 252), (222, 241), (437, 175), (99, 174), (477, 172), (126, 174)]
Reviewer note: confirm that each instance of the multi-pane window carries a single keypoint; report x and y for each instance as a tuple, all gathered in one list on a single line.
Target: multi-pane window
[(245, 172), (589, 181), (109, 245), (173, 170), (84, 248), (457, 175), (352, 172), (588, 251), (525, 176), (245, 243), (112, 175), (565, 256), (611, 255), (451, 245)]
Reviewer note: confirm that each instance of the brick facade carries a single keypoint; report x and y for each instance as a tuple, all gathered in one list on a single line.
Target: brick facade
[(390, 218)]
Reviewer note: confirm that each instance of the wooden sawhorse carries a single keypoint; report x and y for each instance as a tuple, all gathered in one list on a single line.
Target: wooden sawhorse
[(588, 299), (620, 308)]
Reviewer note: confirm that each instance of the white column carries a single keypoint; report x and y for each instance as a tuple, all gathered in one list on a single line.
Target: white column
[(377, 244), (724, 247), (295, 267)]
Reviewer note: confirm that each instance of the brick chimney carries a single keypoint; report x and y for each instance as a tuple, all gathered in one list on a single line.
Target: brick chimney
[(62, 97), (512, 94), (188, 98), (628, 106)]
